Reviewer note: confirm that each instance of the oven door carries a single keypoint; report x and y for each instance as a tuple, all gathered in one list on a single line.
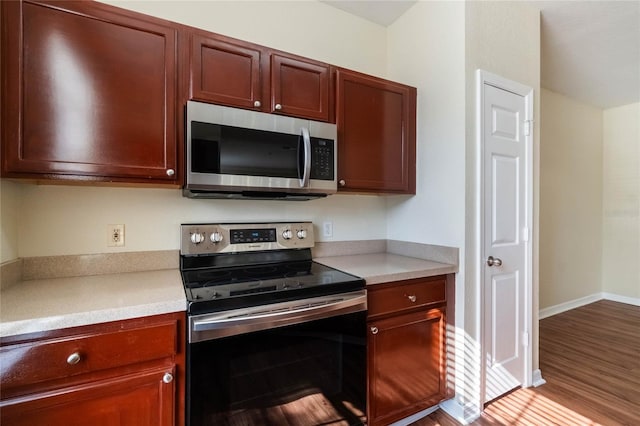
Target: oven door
[(310, 372)]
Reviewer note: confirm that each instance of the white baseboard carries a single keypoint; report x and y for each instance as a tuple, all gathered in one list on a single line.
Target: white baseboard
[(458, 412), (622, 299), (567, 306), (537, 378), (576, 303)]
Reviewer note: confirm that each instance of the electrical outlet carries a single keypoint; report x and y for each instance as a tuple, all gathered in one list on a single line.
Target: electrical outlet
[(327, 229), (115, 235)]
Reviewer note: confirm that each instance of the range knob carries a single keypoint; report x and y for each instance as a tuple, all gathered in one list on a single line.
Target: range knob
[(215, 237), (197, 237), (302, 234), (287, 234)]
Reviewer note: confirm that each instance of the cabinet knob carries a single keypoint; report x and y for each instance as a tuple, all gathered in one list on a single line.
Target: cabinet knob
[(257, 104), (73, 359), (412, 298), (342, 182), (374, 330), (167, 378), (171, 172), (278, 107)]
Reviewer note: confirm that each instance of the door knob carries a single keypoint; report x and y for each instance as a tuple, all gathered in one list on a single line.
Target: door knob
[(494, 261)]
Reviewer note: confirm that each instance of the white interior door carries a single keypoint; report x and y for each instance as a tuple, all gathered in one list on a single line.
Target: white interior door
[(505, 236)]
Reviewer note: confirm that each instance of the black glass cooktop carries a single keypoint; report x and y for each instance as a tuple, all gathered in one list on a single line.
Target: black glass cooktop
[(215, 289)]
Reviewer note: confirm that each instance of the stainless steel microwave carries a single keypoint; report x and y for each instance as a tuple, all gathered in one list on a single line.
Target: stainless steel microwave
[(236, 153)]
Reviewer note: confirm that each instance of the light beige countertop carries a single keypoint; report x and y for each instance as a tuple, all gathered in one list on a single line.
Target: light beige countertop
[(378, 268), (49, 304), (49, 293)]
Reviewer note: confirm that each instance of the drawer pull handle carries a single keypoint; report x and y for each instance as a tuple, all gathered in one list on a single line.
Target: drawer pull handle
[(167, 378), (73, 359), (257, 104), (374, 330), (412, 298)]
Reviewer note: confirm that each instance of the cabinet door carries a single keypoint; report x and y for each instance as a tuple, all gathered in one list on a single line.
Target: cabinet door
[(89, 91), (406, 365), (141, 399), (376, 134), (225, 73), (300, 88)]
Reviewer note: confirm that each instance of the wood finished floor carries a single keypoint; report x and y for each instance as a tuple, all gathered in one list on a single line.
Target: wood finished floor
[(590, 358)]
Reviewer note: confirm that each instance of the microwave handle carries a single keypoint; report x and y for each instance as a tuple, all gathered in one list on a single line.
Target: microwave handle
[(306, 139)]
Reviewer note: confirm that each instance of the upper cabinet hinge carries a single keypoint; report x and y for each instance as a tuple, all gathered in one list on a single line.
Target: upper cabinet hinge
[(528, 127)]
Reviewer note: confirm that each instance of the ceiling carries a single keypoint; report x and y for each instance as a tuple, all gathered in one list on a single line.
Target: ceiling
[(590, 50), (382, 12)]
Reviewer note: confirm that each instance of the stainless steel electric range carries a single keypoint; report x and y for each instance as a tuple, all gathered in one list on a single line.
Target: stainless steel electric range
[(274, 338)]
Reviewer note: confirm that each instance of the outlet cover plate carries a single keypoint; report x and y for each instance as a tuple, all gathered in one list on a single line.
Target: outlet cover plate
[(115, 235)]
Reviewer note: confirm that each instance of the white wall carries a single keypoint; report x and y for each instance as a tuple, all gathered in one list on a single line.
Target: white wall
[(56, 220), (10, 201), (308, 28), (621, 202), (426, 50), (570, 200)]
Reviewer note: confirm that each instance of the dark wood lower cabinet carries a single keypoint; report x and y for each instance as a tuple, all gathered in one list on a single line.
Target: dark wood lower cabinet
[(120, 373), (406, 348), (142, 399)]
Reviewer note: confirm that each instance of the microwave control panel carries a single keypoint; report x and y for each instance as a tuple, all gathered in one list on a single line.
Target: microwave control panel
[(322, 159)]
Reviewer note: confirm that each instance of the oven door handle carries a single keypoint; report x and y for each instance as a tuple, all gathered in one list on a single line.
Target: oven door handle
[(242, 321)]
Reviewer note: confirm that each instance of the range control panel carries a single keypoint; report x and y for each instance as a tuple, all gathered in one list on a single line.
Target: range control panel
[(202, 239)]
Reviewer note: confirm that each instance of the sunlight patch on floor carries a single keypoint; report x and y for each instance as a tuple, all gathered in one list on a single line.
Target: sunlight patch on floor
[(527, 407)]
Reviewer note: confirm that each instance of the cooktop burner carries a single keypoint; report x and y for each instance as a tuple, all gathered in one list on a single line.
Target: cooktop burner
[(211, 277), (210, 290), (224, 275)]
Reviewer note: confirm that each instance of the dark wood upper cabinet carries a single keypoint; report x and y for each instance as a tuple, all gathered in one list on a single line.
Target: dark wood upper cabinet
[(235, 73), (92, 92), (376, 121), (89, 92), (225, 73), (300, 87)]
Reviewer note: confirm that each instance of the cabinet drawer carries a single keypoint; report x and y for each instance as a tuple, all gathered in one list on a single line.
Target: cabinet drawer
[(405, 295), (30, 363)]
